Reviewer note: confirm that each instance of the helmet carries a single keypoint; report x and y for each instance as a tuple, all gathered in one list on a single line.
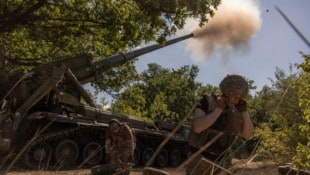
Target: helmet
[(234, 85), (114, 121)]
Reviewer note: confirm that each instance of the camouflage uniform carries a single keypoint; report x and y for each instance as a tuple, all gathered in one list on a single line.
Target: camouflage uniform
[(110, 169), (122, 145), (229, 122)]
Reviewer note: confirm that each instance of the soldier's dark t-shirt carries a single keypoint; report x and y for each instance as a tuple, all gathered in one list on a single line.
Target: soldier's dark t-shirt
[(229, 122)]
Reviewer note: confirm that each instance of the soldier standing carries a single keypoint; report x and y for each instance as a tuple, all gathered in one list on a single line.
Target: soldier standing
[(226, 114)]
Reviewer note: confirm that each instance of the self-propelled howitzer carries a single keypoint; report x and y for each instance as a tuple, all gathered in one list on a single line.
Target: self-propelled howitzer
[(44, 124)]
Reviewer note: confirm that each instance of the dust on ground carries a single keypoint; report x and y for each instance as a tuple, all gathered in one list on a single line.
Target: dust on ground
[(242, 167)]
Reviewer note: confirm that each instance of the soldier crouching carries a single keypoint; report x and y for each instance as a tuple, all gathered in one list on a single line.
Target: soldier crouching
[(119, 147)]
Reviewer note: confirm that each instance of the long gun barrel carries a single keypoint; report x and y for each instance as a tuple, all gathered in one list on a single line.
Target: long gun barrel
[(86, 70), (116, 60)]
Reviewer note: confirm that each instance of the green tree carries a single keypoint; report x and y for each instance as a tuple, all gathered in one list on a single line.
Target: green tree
[(39, 31), (302, 158), (162, 91), (131, 102), (279, 129), (259, 109)]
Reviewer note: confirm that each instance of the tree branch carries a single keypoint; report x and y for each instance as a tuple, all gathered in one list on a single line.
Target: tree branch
[(15, 18)]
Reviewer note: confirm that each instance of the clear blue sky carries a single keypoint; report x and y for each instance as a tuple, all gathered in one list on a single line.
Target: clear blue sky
[(274, 45)]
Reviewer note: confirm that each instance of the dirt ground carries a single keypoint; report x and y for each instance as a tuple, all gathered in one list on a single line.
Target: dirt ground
[(241, 168)]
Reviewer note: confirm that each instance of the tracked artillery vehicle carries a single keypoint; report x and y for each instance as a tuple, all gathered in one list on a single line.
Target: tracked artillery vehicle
[(44, 124)]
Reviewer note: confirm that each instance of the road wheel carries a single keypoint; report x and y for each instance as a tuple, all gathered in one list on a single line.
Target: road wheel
[(93, 153), (38, 156), (66, 153), (175, 158), (162, 158), (146, 156)]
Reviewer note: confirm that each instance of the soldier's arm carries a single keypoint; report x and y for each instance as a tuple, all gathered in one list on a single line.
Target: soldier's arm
[(247, 130), (247, 125), (201, 121)]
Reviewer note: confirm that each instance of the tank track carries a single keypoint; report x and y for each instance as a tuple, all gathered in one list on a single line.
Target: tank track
[(171, 154), (83, 146), (64, 148)]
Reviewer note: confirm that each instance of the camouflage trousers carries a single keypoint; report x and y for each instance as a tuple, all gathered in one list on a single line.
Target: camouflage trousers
[(120, 156), (111, 169), (203, 166)]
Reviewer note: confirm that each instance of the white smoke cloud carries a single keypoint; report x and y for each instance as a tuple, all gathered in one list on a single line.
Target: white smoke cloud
[(229, 31)]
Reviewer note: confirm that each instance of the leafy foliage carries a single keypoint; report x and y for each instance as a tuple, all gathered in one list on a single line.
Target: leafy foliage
[(35, 32), (260, 106), (161, 92), (302, 158), (41, 31), (283, 128)]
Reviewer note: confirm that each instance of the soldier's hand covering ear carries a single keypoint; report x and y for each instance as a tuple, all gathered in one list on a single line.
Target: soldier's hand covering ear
[(242, 105), (220, 102)]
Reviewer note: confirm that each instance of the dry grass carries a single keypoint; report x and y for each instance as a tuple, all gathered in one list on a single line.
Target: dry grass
[(241, 166), (71, 172), (255, 168)]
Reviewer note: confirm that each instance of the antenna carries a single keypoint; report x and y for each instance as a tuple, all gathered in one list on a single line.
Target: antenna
[(293, 26)]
